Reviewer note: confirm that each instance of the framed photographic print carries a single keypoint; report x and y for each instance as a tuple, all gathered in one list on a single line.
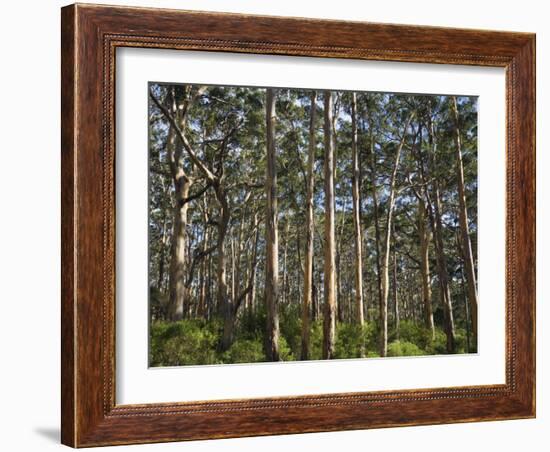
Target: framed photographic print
[(280, 225)]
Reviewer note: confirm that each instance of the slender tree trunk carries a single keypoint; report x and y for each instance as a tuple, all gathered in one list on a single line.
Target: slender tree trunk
[(339, 265), (162, 256), (202, 279), (355, 181), (285, 263), (356, 215), (463, 218), (425, 266), (466, 313), (253, 264), (377, 235), (308, 265), (315, 303), (395, 293), (272, 244), (330, 245), (443, 274), (386, 248), (224, 302), (232, 266), (441, 258), (238, 268)]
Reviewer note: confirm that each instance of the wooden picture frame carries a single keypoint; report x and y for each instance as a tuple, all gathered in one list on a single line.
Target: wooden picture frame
[(90, 36)]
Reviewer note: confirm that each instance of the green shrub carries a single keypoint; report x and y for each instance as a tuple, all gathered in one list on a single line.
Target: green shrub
[(251, 325), (403, 348), (244, 351), (285, 352), (415, 333), (290, 324), (350, 338), (316, 340), (461, 341), (183, 342), (438, 346)]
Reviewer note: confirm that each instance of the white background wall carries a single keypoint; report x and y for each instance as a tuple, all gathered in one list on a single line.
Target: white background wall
[(29, 225)]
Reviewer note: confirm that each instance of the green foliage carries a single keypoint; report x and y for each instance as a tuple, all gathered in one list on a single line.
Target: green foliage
[(285, 352), (290, 325), (461, 342), (252, 325), (413, 332), (183, 342), (438, 345), (157, 303), (245, 351), (404, 348), (194, 342), (316, 340), (351, 340)]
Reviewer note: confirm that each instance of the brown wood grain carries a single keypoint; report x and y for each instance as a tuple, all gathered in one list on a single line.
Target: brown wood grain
[(90, 36)]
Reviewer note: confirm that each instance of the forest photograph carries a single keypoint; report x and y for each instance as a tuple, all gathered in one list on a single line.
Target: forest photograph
[(291, 224)]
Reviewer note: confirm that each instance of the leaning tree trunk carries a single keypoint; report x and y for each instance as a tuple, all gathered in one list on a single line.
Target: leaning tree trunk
[(463, 218), (308, 265), (357, 219), (330, 245), (272, 244), (386, 247)]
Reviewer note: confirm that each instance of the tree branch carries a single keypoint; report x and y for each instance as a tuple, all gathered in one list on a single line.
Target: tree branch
[(202, 167)]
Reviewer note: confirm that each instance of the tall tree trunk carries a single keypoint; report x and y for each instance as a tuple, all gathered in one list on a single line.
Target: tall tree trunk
[(308, 265), (177, 289), (330, 245), (251, 297), (466, 313), (377, 235), (203, 279), (425, 266), (285, 262), (443, 274), (214, 181), (339, 266), (356, 216), (176, 115), (223, 301), (162, 252), (441, 258), (386, 247), (463, 218), (272, 244), (238, 258), (395, 293), (233, 266), (355, 182)]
